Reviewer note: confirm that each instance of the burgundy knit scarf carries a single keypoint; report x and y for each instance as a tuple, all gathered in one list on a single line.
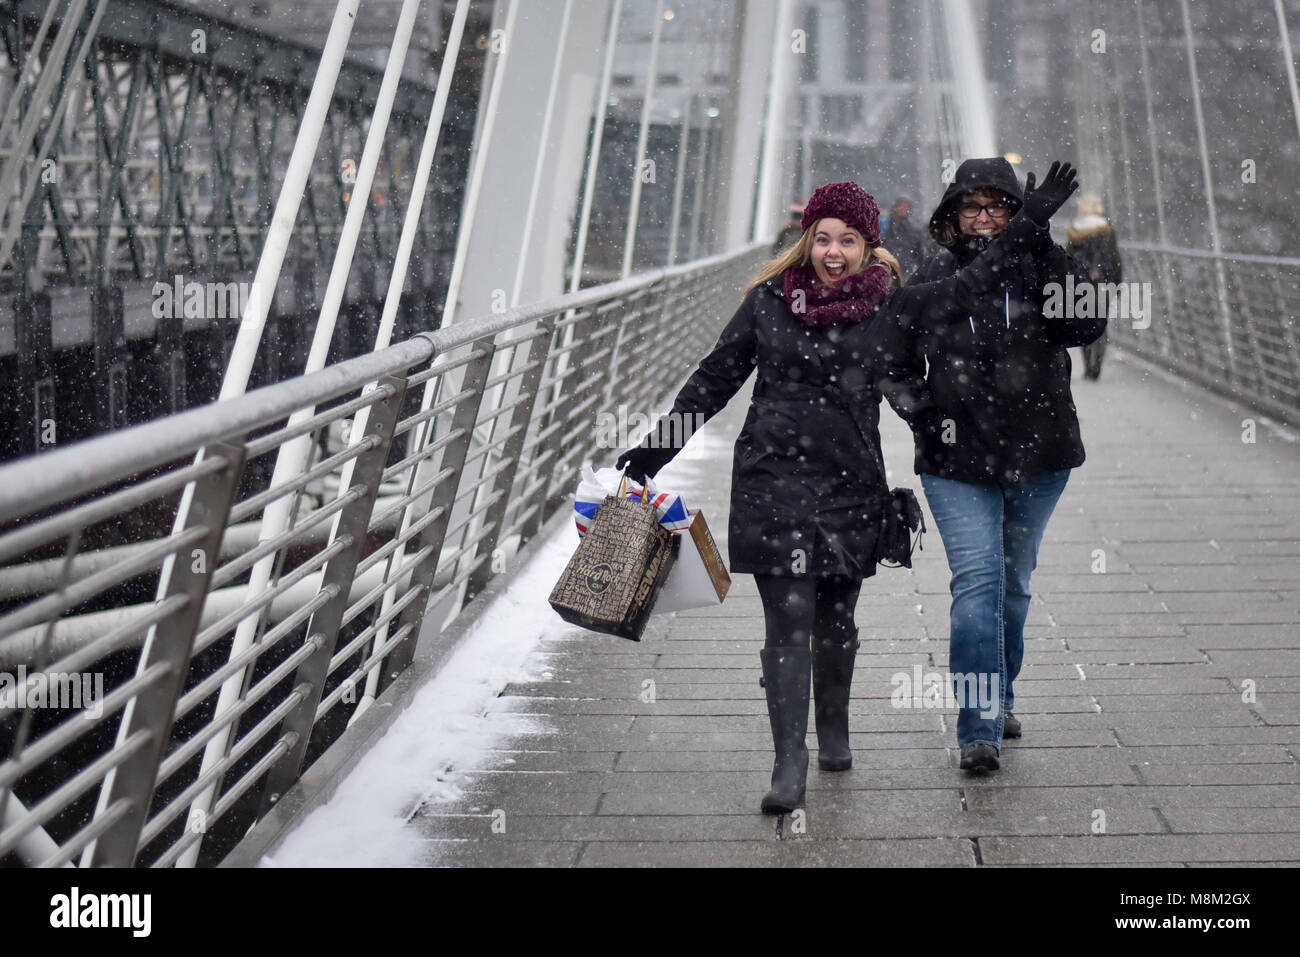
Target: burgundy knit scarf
[(848, 302)]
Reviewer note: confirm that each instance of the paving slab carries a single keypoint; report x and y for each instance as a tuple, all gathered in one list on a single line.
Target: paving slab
[(1162, 693)]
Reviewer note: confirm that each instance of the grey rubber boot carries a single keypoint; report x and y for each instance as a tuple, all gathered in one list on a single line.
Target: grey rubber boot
[(832, 663), (785, 677)]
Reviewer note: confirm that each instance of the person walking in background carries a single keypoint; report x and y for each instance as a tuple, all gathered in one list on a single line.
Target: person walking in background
[(903, 237), (808, 487), (791, 232), (996, 435), (1091, 241)]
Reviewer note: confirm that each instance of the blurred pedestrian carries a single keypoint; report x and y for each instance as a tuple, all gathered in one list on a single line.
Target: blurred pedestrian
[(791, 232), (1091, 241), (903, 237)]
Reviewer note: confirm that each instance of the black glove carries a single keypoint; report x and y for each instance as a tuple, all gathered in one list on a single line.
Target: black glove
[(642, 461), (1057, 186)]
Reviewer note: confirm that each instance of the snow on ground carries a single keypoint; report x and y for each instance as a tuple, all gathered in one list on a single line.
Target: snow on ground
[(443, 729), (363, 824)]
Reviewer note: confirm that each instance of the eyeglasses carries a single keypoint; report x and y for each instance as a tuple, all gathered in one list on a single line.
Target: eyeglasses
[(995, 210)]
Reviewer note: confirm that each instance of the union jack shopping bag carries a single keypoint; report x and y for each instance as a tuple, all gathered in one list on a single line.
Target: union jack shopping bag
[(612, 580)]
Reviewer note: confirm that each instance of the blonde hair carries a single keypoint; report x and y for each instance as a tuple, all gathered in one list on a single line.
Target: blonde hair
[(1090, 205), (801, 253)]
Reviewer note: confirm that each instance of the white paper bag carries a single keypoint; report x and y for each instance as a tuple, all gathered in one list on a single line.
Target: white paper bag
[(698, 578)]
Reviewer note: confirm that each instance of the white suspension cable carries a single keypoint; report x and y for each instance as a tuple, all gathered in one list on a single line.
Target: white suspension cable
[(481, 150), (293, 457), (28, 131), (396, 282), (602, 107), (543, 152), (30, 69), (281, 230), (647, 102), (969, 84), (1284, 33), (258, 305), (1225, 317), (769, 180), (679, 180)]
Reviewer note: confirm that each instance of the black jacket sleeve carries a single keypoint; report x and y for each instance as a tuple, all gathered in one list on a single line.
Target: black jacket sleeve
[(902, 377), (1054, 264), (937, 300), (710, 387), (957, 296), (936, 267)]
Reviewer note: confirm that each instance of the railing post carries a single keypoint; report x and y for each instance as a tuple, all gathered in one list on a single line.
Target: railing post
[(1285, 323), (557, 418), (563, 413), (520, 415), (453, 456), (323, 627), (171, 643)]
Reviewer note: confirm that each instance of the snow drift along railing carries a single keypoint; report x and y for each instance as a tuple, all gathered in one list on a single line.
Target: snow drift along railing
[(1254, 357), (108, 692)]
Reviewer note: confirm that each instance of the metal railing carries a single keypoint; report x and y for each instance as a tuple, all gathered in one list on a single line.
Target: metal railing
[(112, 690), (1244, 344)]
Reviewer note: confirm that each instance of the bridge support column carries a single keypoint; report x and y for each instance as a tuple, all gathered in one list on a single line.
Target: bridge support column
[(33, 393), (112, 361)]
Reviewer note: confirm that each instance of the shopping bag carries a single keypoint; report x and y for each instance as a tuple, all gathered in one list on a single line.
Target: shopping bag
[(698, 579), (614, 577), (595, 486)]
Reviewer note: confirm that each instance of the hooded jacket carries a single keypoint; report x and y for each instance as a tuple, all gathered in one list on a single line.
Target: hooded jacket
[(989, 399)]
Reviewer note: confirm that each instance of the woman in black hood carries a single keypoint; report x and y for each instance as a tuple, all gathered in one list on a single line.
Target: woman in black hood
[(996, 435)]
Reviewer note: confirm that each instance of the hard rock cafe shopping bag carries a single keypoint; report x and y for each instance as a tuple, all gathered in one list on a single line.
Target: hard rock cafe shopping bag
[(612, 580)]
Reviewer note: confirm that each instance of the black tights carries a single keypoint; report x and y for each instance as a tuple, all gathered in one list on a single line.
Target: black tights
[(796, 608)]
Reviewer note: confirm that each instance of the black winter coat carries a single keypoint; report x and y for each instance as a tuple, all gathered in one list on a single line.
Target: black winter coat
[(808, 485), (1096, 252), (994, 391)]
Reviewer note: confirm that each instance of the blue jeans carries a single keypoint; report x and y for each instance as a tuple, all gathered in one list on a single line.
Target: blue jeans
[(991, 535)]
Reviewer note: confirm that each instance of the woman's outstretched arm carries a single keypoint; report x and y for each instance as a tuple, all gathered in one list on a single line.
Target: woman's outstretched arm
[(718, 377), (993, 269)]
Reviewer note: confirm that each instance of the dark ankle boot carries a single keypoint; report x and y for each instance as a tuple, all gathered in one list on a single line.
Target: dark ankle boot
[(832, 664), (785, 676)]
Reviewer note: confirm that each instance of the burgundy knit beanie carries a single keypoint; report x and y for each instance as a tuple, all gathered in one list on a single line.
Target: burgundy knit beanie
[(848, 202)]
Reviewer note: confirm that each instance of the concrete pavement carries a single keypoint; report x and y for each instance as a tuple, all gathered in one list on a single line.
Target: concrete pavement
[(1160, 693)]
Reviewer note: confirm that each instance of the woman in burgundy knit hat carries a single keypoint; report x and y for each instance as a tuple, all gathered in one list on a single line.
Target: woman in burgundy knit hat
[(808, 486)]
